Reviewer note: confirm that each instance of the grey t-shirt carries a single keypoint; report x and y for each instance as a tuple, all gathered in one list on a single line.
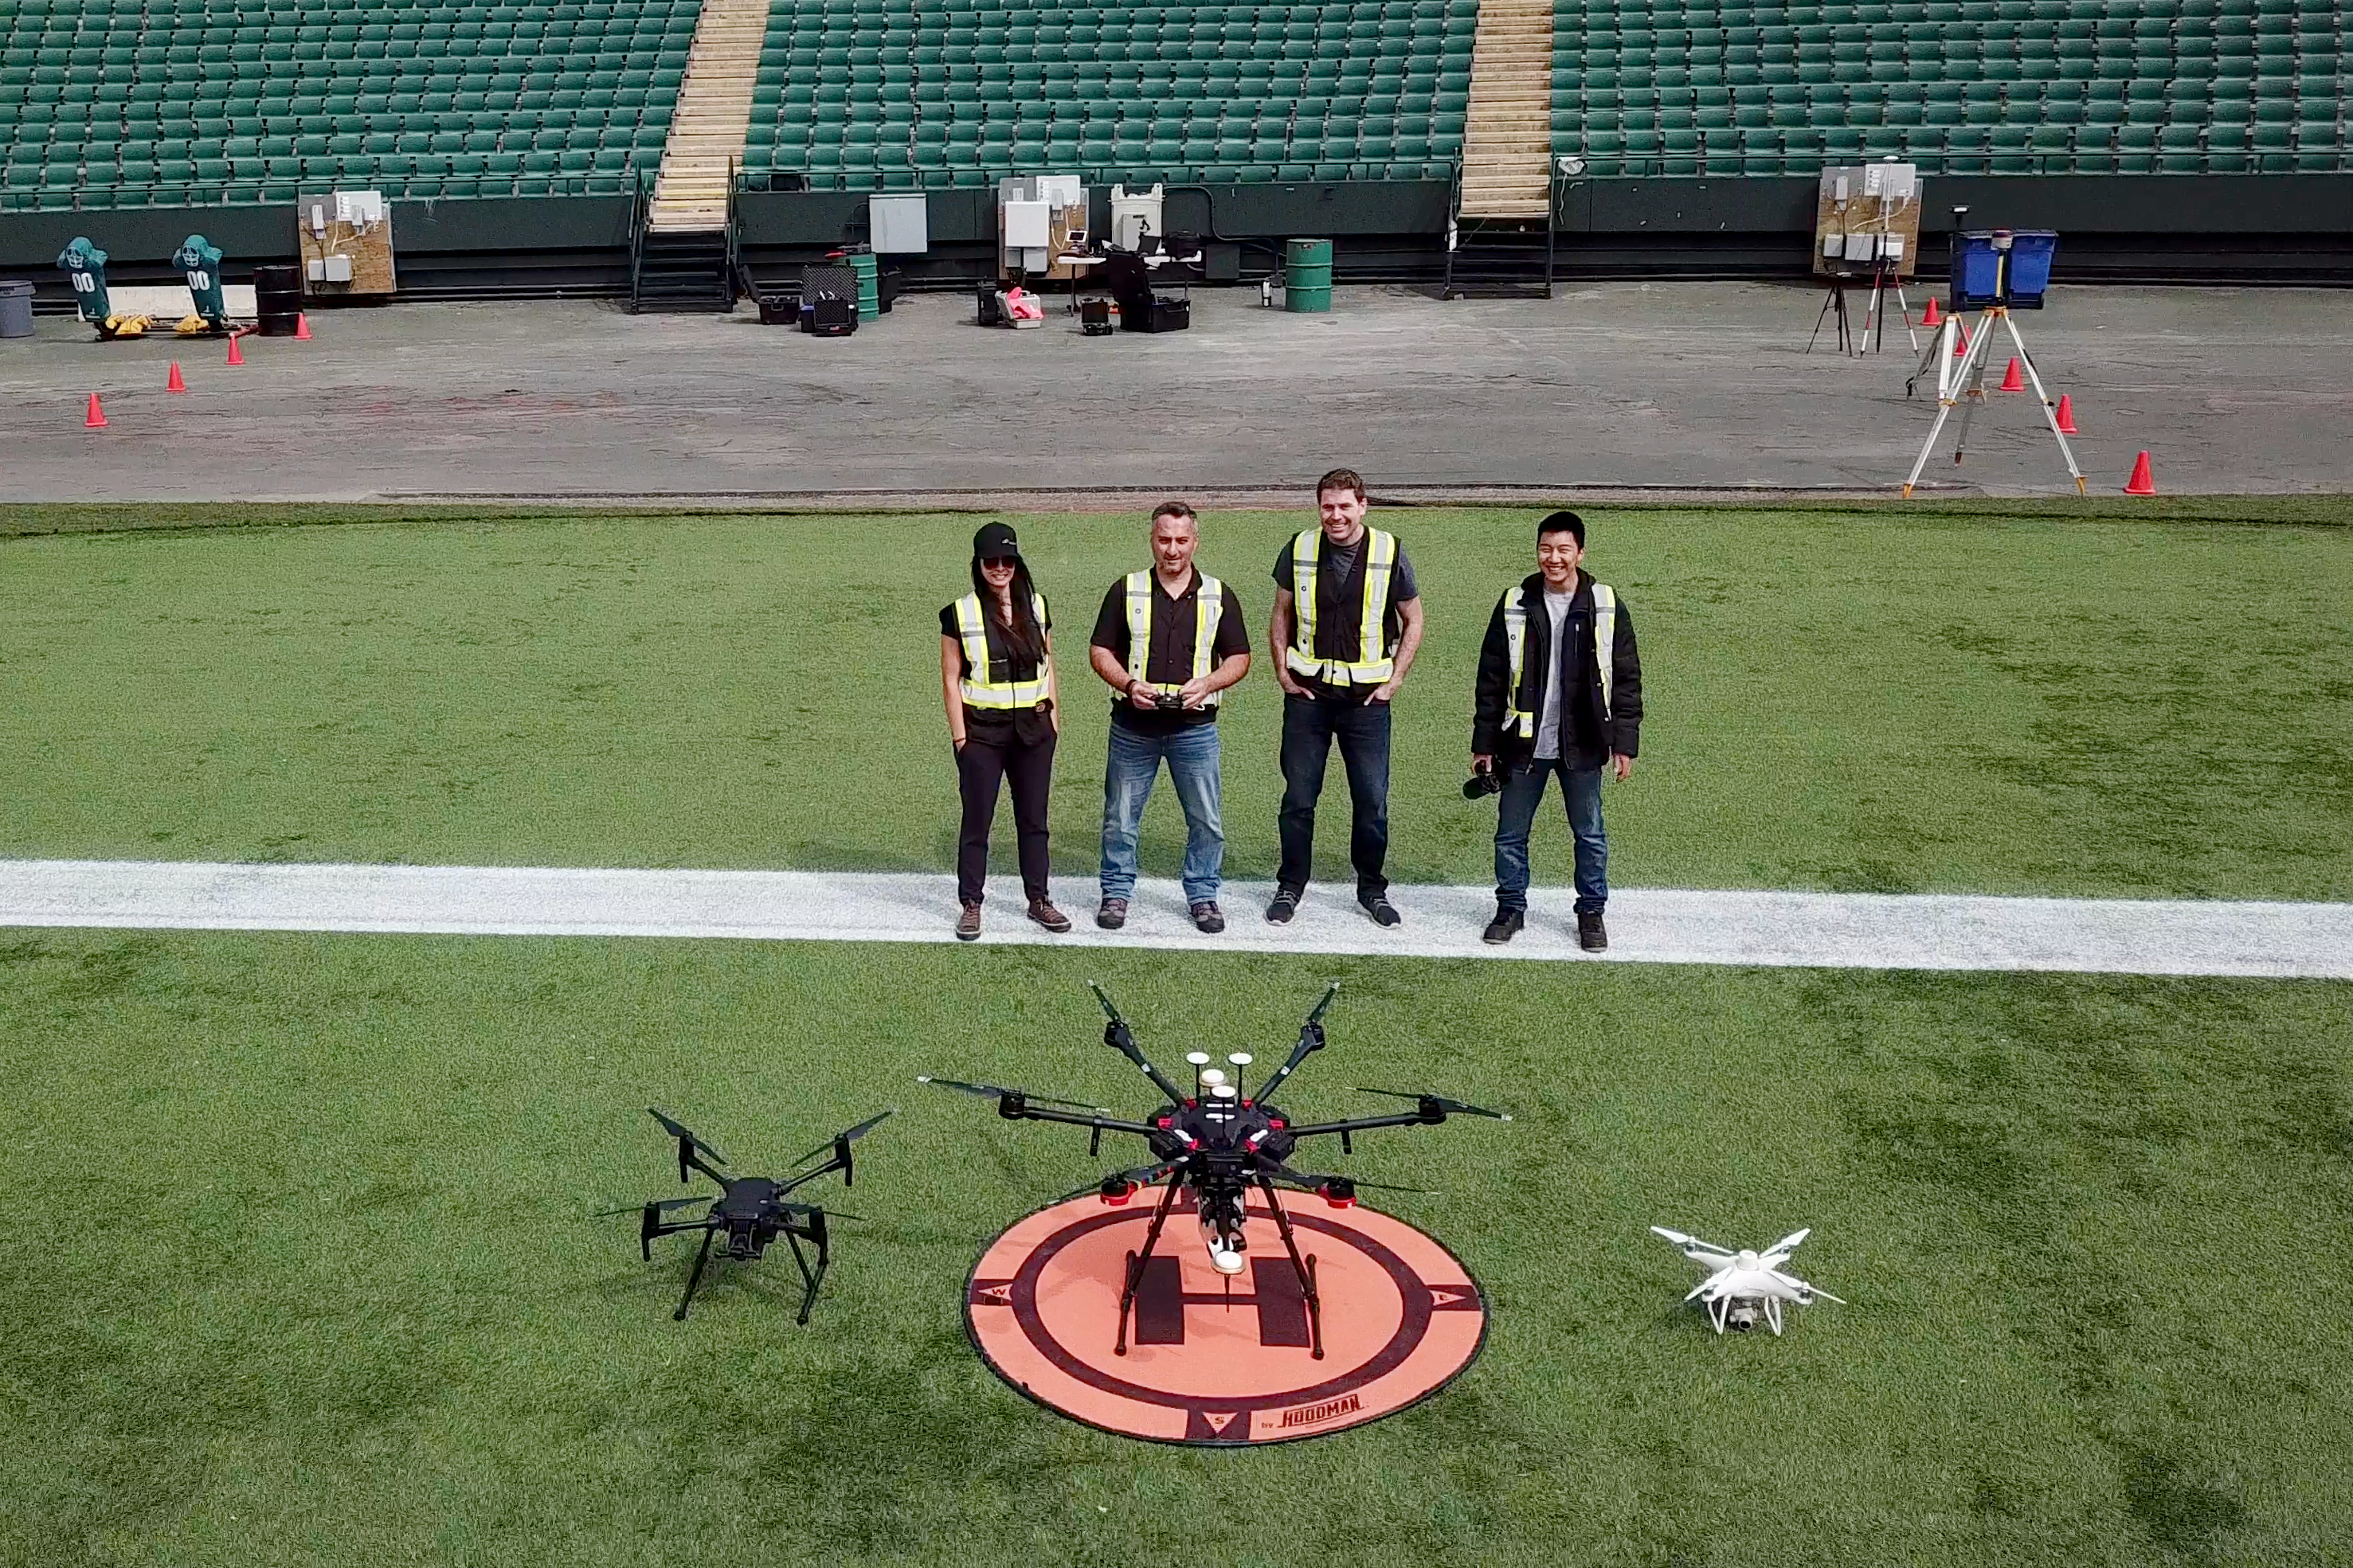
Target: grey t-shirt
[(1548, 725)]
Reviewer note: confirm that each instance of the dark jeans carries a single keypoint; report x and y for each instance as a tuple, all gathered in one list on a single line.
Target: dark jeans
[(1580, 789), (1030, 769), (1310, 725)]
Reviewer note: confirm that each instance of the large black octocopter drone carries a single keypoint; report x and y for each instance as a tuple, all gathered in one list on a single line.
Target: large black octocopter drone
[(750, 1211), (1220, 1145)]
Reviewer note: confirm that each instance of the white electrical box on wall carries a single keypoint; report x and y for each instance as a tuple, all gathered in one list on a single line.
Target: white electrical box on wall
[(1027, 225), (899, 224)]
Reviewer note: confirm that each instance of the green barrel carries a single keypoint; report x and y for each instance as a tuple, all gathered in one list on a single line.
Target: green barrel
[(870, 287), (1307, 274)]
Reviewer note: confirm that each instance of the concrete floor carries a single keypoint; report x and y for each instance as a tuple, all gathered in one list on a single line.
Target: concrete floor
[(1699, 386)]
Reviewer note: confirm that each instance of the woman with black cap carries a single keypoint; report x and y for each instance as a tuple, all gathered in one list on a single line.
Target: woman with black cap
[(997, 677)]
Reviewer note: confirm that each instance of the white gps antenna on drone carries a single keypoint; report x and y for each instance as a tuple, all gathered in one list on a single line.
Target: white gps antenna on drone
[(1199, 1059)]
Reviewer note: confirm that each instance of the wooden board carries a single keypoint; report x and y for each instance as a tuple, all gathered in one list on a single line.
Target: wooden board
[(1859, 212), (368, 245)]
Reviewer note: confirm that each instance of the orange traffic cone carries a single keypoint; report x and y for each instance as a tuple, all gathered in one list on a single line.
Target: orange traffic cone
[(1960, 341), (302, 327), (174, 382), (2067, 415), (235, 354), (1933, 318), (96, 418), (2142, 483), (2014, 378)]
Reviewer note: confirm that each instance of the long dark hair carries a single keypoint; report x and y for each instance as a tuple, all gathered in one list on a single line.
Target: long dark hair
[(1024, 628)]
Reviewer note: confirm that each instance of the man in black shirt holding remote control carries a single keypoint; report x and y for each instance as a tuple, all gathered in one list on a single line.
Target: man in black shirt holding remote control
[(1171, 641)]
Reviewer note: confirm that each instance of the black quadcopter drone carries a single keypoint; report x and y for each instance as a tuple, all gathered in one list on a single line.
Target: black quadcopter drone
[(750, 1211), (1220, 1146)]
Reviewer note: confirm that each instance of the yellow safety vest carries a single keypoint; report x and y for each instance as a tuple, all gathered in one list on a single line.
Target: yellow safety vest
[(1208, 610), (981, 687), (1380, 560), (1515, 637)]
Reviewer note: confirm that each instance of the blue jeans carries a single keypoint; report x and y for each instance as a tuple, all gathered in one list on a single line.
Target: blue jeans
[(1191, 755), (1310, 725), (1517, 813)]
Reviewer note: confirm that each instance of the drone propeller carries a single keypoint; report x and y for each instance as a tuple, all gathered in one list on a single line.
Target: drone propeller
[(683, 1136), (662, 1206), (1679, 1240), (852, 1136), (1786, 1244), (1804, 1290), (994, 1091), (1451, 1107)]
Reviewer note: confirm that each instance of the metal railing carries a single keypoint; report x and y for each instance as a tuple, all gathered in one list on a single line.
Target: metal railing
[(641, 199)]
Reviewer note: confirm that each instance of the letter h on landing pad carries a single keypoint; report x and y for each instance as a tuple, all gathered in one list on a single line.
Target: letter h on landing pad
[(1161, 1300)]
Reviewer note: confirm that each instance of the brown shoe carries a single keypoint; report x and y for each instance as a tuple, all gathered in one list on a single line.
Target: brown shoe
[(1113, 915), (1043, 911), (968, 923)]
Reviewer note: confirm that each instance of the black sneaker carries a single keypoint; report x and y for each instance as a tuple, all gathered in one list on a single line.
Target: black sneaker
[(1378, 905), (1207, 917), (1113, 915), (1590, 936), (1506, 925), (1285, 905)]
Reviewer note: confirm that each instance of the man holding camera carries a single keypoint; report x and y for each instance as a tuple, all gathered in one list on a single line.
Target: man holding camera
[(1169, 641), (1559, 691)]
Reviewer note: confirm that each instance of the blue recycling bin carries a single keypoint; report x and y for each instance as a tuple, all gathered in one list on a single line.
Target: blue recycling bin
[(2031, 251), (2002, 267), (84, 265), (199, 260)]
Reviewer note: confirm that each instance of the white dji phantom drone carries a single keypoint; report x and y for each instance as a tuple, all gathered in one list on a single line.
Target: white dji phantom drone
[(1739, 1284)]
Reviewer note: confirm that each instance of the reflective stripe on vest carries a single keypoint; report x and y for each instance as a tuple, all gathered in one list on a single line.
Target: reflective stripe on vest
[(1209, 611), (1380, 560), (1515, 637), (981, 690)]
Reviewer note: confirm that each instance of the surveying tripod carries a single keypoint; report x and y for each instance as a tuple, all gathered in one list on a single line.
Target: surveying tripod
[(1960, 366)]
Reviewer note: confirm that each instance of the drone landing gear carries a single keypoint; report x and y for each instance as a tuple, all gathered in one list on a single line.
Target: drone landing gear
[(701, 1256), (1307, 1267), (810, 1277), (1137, 1260), (1303, 1266), (810, 1280)]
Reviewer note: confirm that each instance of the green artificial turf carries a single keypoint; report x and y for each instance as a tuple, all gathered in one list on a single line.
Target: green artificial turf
[(300, 1268), (1886, 700)]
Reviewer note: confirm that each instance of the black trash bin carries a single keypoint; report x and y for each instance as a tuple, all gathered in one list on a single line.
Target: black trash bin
[(278, 299)]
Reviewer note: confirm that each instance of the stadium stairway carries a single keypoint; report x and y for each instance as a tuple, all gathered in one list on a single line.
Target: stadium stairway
[(1507, 133), (1502, 237), (715, 107), (683, 253)]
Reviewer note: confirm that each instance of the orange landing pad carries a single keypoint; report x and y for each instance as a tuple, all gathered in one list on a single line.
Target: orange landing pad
[(1216, 1362)]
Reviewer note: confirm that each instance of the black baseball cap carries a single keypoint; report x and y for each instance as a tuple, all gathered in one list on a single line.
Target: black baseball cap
[(995, 541)]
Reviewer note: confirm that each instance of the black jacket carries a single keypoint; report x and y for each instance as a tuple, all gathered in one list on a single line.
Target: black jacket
[(1618, 724)]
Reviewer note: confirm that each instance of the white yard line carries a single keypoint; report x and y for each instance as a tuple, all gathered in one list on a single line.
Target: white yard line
[(1838, 931)]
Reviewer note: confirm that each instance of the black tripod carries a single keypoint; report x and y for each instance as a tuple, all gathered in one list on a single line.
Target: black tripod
[(1834, 302)]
